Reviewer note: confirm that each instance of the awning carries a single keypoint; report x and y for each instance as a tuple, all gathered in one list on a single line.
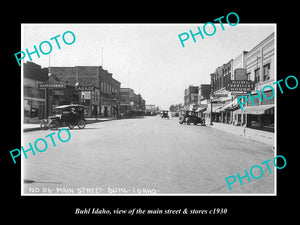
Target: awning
[(257, 110), (215, 108), (231, 106), (202, 108)]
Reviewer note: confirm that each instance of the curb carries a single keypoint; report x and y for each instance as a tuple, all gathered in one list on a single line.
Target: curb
[(87, 122), (245, 137), (31, 129)]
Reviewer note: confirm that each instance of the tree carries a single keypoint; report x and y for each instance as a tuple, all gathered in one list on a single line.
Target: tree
[(172, 108), (175, 107)]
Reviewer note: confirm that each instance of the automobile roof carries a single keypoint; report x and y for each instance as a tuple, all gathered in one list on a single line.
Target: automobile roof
[(66, 106)]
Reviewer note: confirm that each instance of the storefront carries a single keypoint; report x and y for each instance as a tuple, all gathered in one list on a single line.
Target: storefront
[(109, 107), (201, 110), (227, 111), (57, 93), (257, 117), (216, 115), (34, 102), (90, 98), (34, 109)]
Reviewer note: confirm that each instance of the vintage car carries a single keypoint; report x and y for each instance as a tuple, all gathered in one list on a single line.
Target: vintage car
[(65, 115), (165, 114), (188, 117)]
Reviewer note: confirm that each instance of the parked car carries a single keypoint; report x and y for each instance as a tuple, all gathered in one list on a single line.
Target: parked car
[(65, 115), (188, 117)]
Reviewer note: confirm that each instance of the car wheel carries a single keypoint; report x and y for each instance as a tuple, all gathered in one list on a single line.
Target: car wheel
[(53, 125), (44, 125), (81, 124), (71, 125)]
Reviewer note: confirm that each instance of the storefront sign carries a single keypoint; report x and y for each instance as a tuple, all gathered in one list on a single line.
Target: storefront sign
[(53, 85), (240, 85), (85, 95), (84, 88), (54, 92)]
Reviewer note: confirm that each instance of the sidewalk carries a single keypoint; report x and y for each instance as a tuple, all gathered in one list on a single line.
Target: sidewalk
[(33, 126), (251, 134)]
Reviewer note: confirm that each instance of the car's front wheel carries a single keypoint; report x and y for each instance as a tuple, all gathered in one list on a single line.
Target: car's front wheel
[(53, 125), (81, 124), (71, 125), (44, 125)]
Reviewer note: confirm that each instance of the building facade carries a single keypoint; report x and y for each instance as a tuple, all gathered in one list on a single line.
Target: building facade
[(191, 98), (126, 100), (256, 66), (260, 67), (237, 63), (34, 98), (220, 96), (130, 101), (103, 99), (203, 98)]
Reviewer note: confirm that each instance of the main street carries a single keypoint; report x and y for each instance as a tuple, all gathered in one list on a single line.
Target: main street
[(145, 155)]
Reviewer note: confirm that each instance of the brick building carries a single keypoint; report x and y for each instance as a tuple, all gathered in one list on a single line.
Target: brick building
[(131, 101), (104, 99), (191, 97)]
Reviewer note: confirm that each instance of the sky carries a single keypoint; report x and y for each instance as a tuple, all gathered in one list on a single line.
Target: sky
[(148, 58)]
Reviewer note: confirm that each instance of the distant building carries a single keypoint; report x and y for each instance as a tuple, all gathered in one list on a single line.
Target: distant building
[(126, 99), (203, 97), (191, 97), (203, 92), (150, 108), (131, 101)]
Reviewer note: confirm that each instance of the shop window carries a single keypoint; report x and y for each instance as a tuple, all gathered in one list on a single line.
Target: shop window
[(268, 122), (267, 72), (254, 121)]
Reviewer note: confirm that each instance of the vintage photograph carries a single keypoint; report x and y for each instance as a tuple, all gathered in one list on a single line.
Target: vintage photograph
[(148, 109)]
